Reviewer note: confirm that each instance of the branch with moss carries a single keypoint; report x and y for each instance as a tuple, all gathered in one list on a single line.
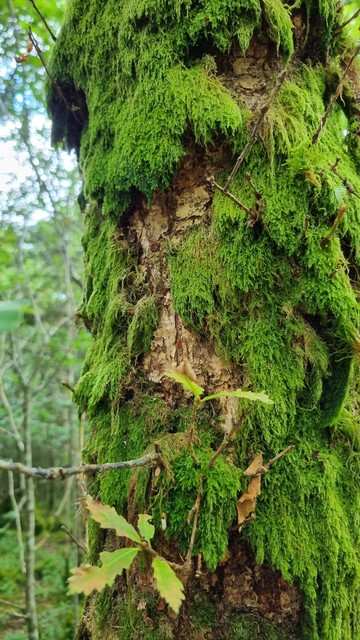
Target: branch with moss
[(66, 472), (348, 186), (336, 95), (344, 24)]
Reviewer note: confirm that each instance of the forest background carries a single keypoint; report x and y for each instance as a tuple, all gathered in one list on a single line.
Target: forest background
[(41, 270), (40, 282)]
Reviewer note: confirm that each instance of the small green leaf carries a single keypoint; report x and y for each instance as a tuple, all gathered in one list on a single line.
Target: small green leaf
[(146, 529), (168, 584), (189, 385), (246, 395), (87, 578), (108, 519)]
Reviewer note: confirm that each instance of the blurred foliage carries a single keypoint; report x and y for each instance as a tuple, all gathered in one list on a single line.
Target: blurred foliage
[(41, 263), (56, 615)]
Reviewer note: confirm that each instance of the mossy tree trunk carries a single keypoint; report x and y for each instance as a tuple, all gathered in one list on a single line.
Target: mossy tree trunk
[(159, 99)]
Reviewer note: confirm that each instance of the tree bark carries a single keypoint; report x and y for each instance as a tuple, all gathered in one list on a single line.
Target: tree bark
[(225, 276)]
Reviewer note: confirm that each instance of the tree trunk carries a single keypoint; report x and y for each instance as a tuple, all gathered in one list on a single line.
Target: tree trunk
[(249, 282)]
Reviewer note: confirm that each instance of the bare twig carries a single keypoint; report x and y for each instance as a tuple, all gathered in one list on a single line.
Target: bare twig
[(335, 96), (257, 193), (195, 511), (43, 20), (254, 134), (348, 186), (8, 603), (67, 385), (238, 527), (16, 511), (267, 466), (228, 436), (65, 472), (53, 82), (344, 24), (229, 195), (78, 544)]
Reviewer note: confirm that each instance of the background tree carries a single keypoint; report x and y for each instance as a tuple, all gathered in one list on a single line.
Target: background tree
[(240, 276)]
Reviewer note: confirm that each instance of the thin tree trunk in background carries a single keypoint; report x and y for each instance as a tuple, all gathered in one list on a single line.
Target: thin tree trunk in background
[(30, 584)]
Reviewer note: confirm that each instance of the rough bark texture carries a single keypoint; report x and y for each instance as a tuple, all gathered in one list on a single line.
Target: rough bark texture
[(158, 101)]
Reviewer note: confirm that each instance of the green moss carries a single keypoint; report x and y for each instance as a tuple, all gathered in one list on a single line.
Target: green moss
[(244, 626), (142, 325)]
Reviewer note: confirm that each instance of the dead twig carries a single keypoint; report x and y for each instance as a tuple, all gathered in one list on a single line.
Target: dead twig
[(66, 384), (42, 17), (335, 97), (254, 134), (53, 82), (266, 467), (78, 544), (348, 186), (65, 472), (229, 195), (228, 436), (344, 24)]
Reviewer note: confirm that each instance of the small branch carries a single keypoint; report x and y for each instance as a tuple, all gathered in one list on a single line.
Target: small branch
[(239, 527), (267, 466), (344, 24), (17, 518), (195, 510), (228, 436), (66, 384), (339, 218), (258, 208), (53, 82), (43, 20), (78, 544), (61, 472), (254, 134), (257, 193), (335, 97), (7, 603), (348, 186), (229, 195)]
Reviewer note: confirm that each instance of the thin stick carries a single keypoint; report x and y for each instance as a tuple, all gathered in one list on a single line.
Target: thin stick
[(65, 472), (228, 436), (267, 466), (12, 604), (254, 134), (348, 186), (66, 384), (229, 195), (344, 24), (335, 96), (257, 193), (53, 82), (43, 19), (78, 544), (17, 517), (195, 510)]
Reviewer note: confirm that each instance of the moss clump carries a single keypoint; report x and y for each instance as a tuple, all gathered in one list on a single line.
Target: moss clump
[(246, 627)]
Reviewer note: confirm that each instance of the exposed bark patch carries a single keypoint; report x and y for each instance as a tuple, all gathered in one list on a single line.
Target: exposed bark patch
[(249, 587)]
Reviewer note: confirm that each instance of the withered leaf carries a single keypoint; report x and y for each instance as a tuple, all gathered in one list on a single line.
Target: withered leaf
[(256, 464), (247, 502)]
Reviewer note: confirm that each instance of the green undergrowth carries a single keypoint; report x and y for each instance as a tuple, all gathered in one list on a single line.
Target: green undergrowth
[(55, 608), (276, 297)]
